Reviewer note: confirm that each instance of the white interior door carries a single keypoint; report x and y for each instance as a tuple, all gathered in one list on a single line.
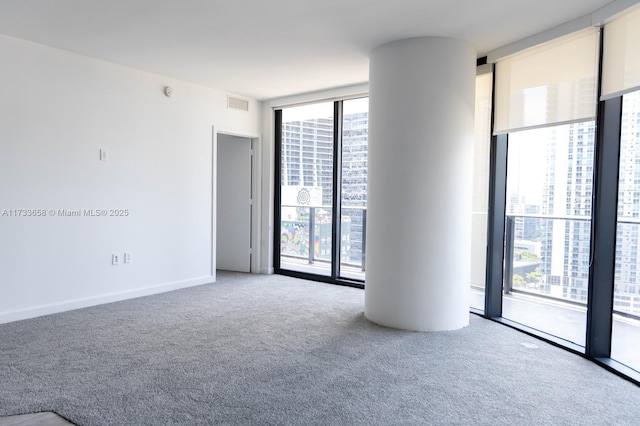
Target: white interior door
[(234, 204)]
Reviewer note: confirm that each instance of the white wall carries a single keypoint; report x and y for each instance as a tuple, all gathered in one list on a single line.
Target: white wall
[(57, 110)]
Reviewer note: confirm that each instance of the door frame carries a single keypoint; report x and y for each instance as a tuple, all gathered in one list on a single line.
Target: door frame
[(256, 169)]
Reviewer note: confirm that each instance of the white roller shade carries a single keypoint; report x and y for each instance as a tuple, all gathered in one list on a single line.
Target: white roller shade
[(548, 84), (621, 63)]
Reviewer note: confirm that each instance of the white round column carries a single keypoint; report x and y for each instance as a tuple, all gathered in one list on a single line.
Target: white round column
[(421, 129)]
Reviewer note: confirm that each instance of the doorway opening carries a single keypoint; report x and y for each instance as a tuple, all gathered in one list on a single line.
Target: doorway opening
[(234, 203)]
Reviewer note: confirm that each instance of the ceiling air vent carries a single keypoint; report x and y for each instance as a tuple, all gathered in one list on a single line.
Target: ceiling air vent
[(237, 103)]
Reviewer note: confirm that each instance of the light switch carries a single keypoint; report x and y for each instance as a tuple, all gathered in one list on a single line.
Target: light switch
[(103, 155)]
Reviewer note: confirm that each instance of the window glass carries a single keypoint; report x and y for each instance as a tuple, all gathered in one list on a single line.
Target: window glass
[(626, 301), (355, 142), (306, 178), (548, 228)]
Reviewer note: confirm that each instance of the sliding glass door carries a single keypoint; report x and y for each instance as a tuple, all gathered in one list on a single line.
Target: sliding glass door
[(548, 229), (625, 338), (321, 197), (306, 188), (544, 121)]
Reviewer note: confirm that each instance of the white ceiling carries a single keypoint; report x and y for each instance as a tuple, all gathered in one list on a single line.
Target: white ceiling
[(270, 48)]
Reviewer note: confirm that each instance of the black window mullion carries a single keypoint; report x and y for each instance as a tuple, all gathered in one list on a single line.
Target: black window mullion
[(496, 226), (336, 237), (277, 231), (603, 230)]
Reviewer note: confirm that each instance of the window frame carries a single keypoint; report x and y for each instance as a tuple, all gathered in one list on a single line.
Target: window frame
[(335, 276)]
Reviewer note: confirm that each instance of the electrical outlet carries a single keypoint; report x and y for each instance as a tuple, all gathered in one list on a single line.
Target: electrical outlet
[(127, 258), (115, 259)]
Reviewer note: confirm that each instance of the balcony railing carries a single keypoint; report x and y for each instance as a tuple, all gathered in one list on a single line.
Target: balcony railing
[(306, 235), (541, 234), (572, 258)]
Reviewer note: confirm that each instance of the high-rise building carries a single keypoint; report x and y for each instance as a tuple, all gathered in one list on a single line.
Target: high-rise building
[(307, 160), (355, 140), (568, 192), (567, 198), (627, 280), (307, 155)]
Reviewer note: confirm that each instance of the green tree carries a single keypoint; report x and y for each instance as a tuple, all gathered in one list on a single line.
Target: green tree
[(534, 277), (520, 254), (518, 281)]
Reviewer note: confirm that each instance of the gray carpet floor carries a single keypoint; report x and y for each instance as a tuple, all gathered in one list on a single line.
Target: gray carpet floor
[(273, 350)]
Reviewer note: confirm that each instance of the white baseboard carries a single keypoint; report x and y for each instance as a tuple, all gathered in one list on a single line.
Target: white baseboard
[(69, 305), (266, 271)]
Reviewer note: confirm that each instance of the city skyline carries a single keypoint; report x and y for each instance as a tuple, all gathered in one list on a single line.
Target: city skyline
[(566, 190)]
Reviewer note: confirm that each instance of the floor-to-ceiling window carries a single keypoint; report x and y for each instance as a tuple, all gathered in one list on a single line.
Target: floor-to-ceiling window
[(625, 343), (322, 191), (548, 228), (306, 182), (546, 100), (621, 89), (565, 193)]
